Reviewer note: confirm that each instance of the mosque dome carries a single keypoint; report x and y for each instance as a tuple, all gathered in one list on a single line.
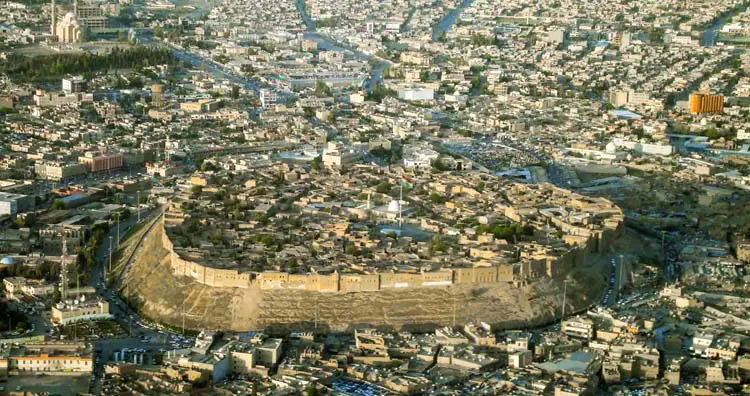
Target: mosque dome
[(70, 19), (7, 261), (611, 147)]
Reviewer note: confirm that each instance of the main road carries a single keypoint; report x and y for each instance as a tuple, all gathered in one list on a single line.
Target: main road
[(448, 20), (140, 336), (378, 64)]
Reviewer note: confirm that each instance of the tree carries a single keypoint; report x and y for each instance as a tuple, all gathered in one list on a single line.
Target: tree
[(436, 198), (317, 164), (321, 89), (384, 187), (58, 204), (235, 92)]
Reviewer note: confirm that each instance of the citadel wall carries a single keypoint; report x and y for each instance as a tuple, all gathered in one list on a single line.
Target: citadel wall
[(528, 268)]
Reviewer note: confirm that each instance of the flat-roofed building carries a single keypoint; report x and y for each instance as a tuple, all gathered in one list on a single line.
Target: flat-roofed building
[(58, 170), (11, 204), (68, 312), (578, 327), (18, 286), (704, 103), (101, 162), (46, 358)]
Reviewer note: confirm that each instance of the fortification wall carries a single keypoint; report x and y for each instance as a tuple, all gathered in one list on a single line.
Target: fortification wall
[(581, 244), (315, 302)]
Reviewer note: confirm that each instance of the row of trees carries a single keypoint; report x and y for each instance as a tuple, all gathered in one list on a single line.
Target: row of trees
[(36, 68)]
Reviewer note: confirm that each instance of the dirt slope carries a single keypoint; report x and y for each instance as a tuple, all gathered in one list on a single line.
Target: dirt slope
[(162, 296)]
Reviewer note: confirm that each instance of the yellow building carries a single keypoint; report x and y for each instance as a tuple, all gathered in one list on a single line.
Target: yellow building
[(48, 358), (703, 103)]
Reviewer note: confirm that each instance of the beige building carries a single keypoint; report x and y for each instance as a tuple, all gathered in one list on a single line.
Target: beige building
[(68, 312), (17, 286), (68, 30), (578, 327), (58, 170), (100, 162), (47, 358)]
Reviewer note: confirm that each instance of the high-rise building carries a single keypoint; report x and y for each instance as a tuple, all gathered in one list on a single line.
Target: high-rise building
[(73, 84), (91, 16), (704, 103)]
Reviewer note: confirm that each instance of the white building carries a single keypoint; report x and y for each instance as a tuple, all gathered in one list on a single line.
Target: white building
[(268, 98), (80, 309), (416, 94), (419, 157), (68, 30), (73, 84)]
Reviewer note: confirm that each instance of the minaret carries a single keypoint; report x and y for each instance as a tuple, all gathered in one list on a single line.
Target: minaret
[(53, 23), (75, 8)]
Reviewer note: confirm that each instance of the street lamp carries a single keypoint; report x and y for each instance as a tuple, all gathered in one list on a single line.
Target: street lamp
[(118, 229)]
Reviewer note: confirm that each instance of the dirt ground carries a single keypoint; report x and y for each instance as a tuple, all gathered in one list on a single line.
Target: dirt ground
[(62, 385)]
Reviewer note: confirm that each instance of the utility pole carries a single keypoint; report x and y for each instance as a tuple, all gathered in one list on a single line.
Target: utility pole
[(138, 204), (183, 317), (400, 199), (663, 250), (454, 312), (110, 255), (621, 270), (565, 295)]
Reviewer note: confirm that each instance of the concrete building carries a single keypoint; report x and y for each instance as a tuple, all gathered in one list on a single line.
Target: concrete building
[(416, 94), (46, 358), (17, 286), (68, 312), (217, 366), (73, 84), (201, 106), (91, 16), (12, 204), (58, 170), (336, 156), (704, 103), (99, 162), (242, 358), (47, 99), (268, 98), (578, 327), (269, 352)]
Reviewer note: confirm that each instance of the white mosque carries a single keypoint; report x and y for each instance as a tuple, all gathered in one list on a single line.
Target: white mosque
[(68, 29)]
